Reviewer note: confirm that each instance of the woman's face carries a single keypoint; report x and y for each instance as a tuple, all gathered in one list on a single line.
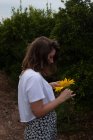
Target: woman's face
[(51, 56)]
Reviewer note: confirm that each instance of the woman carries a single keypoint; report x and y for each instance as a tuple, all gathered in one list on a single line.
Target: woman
[(36, 99)]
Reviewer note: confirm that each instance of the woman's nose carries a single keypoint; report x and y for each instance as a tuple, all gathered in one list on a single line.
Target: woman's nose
[(52, 61)]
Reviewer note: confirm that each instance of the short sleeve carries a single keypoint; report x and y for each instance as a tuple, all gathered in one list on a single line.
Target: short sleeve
[(34, 88)]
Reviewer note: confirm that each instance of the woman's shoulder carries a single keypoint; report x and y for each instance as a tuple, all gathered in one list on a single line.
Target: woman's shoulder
[(29, 73)]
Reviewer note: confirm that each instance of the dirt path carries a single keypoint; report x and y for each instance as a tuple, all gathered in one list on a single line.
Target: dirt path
[(10, 127)]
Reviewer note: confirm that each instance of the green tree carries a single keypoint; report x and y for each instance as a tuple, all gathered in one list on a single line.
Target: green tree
[(74, 31), (17, 32)]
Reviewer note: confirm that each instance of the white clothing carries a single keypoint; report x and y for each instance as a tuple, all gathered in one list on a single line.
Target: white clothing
[(32, 87)]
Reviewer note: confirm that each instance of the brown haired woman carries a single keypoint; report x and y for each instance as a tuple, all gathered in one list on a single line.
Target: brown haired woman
[(36, 100)]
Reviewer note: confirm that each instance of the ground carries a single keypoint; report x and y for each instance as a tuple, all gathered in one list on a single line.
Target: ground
[(10, 126)]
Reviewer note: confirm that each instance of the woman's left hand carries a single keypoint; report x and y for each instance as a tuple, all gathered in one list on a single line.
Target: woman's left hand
[(55, 84)]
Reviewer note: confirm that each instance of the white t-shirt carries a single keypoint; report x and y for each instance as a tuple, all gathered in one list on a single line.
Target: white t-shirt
[(32, 87)]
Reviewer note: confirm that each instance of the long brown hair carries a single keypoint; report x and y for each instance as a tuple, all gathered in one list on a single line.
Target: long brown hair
[(37, 53)]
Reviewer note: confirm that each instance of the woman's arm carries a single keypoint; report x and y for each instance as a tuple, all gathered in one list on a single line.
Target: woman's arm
[(39, 109)]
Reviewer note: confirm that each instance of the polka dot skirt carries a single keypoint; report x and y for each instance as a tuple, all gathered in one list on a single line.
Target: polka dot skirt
[(43, 128)]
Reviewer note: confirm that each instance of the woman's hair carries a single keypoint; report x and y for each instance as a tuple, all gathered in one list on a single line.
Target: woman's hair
[(37, 53)]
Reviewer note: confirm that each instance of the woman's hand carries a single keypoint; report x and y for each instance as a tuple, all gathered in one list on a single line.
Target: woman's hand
[(65, 95), (55, 84)]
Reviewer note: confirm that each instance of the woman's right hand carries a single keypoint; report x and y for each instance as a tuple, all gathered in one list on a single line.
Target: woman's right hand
[(65, 95)]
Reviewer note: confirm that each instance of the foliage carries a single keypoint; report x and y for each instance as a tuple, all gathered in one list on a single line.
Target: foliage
[(72, 26), (17, 32), (74, 31)]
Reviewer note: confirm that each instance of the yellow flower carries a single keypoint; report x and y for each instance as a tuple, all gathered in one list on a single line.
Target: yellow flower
[(63, 84), (58, 89)]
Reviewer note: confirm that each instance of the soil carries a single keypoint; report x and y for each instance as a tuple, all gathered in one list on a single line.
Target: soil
[(10, 126)]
